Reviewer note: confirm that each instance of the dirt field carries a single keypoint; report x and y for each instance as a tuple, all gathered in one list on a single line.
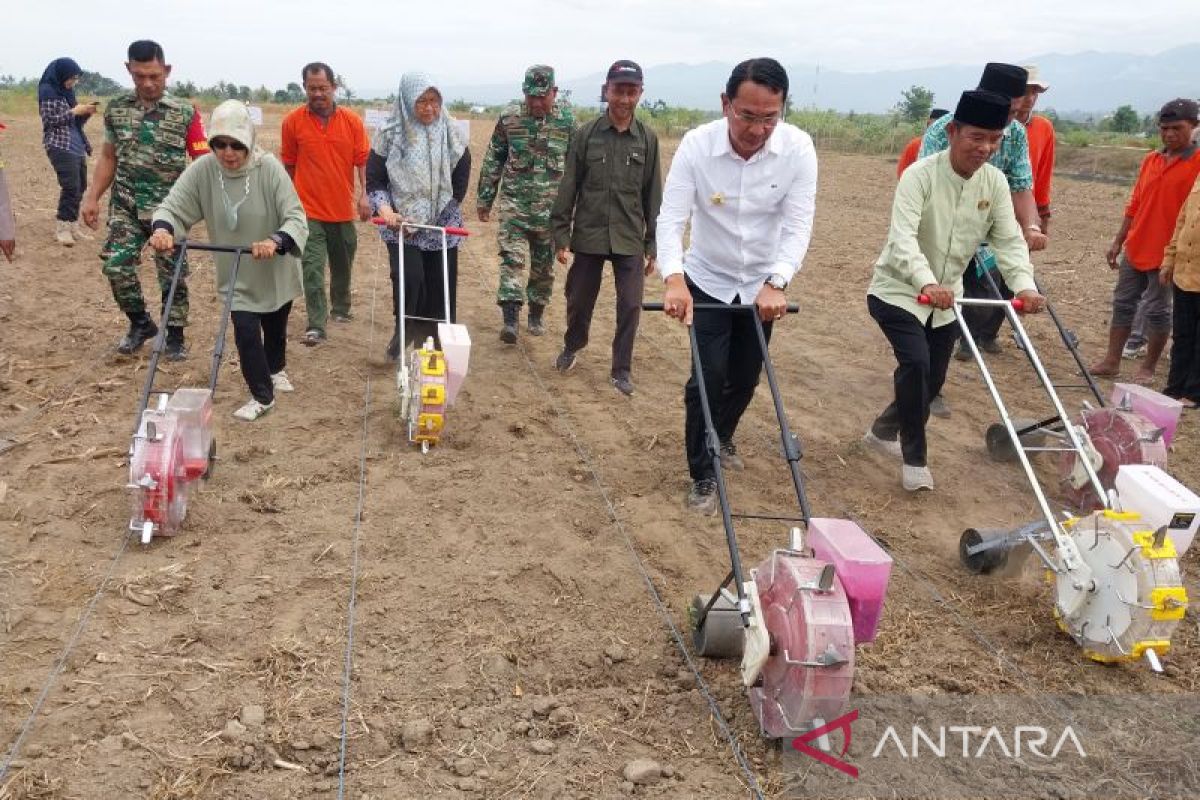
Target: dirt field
[(505, 644)]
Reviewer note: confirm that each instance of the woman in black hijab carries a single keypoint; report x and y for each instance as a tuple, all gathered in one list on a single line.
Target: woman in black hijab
[(63, 118)]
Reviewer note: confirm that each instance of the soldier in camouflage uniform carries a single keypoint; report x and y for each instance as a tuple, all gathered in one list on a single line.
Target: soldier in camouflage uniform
[(525, 161), (148, 136)]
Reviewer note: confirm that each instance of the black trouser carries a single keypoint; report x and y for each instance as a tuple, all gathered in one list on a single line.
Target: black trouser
[(71, 171), (423, 291), (261, 339), (1183, 380), (983, 321), (923, 354), (583, 287), (731, 360)]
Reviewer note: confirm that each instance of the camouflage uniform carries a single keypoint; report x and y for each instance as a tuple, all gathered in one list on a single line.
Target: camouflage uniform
[(529, 156), (151, 150)]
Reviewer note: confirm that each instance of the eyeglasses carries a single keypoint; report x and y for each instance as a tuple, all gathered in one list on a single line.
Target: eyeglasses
[(767, 121), (225, 144)]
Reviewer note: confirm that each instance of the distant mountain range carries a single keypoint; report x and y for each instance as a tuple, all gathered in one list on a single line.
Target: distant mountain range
[(1081, 84)]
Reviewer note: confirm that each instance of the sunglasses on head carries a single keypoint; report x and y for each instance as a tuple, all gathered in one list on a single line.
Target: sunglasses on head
[(224, 144)]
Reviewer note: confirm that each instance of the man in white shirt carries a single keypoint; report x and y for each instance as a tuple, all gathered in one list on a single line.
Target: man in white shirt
[(748, 183)]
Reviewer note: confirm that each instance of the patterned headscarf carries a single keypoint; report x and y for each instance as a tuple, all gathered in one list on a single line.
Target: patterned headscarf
[(419, 157)]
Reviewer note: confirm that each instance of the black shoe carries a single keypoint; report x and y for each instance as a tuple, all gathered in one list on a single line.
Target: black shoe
[(536, 326), (703, 497), (141, 330), (175, 350), (990, 346), (730, 458), (512, 320), (393, 348), (963, 353)]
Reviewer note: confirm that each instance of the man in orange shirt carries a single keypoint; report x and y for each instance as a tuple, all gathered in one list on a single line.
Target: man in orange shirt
[(1165, 179), (914, 147), (324, 145), (1041, 143)]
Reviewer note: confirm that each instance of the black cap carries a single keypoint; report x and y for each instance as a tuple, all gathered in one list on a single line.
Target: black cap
[(1179, 110), (1006, 79), (938, 113), (624, 71), (982, 109)]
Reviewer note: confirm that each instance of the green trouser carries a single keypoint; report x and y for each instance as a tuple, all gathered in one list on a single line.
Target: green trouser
[(336, 241), (514, 237), (121, 254)]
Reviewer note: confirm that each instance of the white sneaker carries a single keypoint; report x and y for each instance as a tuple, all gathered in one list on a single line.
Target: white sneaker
[(1133, 353), (916, 478), (62, 233), (883, 446), (79, 234), (281, 382), (253, 410)]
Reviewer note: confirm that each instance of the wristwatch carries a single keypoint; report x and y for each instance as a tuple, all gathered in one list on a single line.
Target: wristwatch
[(777, 282)]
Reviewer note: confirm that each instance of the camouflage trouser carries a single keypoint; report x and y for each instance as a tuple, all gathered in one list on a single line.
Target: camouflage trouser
[(515, 235), (122, 254)]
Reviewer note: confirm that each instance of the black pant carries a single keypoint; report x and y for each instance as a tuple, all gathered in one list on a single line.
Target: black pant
[(1183, 380), (71, 171), (983, 321), (923, 354), (582, 289), (261, 340), (423, 291), (731, 360)]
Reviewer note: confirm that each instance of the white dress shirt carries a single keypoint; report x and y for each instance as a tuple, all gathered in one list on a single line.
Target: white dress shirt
[(751, 219)]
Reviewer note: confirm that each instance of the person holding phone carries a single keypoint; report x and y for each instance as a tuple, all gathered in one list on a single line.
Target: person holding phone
[(63, 118)]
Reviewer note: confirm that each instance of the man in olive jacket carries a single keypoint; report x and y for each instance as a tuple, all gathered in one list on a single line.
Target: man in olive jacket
[(606, 209)]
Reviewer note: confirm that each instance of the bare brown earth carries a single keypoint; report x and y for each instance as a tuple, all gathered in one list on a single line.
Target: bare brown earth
[(501, 613)]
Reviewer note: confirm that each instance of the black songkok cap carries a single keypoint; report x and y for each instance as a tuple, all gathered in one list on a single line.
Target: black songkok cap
[(982, 109), (1006, 79)]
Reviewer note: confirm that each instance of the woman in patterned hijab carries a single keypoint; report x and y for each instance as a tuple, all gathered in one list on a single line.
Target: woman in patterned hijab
[(417, 172)]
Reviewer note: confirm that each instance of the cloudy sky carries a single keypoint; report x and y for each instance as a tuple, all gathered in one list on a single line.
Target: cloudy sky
[(257, 42)]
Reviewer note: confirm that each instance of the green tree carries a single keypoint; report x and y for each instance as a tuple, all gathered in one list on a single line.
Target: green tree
[(1125, 120), (915, 103), (93, 83)]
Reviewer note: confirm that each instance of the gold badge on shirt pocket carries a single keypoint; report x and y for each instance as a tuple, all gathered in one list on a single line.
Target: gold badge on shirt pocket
[(984, 205), (717, 199)]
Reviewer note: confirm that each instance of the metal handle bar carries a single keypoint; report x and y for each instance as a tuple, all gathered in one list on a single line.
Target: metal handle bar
[(792, 308), (1017, 303), (449, 231)]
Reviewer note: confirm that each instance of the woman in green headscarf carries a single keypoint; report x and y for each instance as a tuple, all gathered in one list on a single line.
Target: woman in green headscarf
[(244, 197)]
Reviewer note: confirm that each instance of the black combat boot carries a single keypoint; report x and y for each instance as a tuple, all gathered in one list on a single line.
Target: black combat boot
[(141, 329), (175, 350), (512, 320), (536, 328)]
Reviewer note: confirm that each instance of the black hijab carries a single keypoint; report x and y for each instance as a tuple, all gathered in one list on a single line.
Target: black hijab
[(54, 79)]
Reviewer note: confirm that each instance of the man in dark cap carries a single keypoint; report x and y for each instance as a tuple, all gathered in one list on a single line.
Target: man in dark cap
[(913, 148), (525, 160), (1012, 158), (1163, 184), (944, 206), (606, 210)]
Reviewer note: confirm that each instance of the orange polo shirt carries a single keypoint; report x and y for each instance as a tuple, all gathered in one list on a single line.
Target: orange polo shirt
[(1041, 157), (324, 158), (1162, 186), (908, 156)]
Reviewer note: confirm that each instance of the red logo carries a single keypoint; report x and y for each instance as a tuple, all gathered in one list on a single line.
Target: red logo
[(801, 743)]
